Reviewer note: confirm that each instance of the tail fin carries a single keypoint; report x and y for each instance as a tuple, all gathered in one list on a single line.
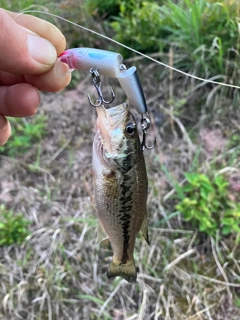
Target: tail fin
[(127, 271)]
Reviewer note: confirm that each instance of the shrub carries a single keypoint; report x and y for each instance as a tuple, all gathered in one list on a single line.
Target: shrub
[(207, 206), (102, 8), (139, 26)]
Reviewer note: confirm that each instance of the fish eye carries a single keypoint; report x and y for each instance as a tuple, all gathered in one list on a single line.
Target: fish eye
[(130, 128)]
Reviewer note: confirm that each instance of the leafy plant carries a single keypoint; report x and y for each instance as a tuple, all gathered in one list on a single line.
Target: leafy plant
[(207, 206), (102, 8), (13, 227), (24, 134), (139, 26)]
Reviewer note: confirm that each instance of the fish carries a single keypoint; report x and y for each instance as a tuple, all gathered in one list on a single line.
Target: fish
[(121, 186)]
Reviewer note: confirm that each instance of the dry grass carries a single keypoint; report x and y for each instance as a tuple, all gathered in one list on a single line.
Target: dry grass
[(59, 272)]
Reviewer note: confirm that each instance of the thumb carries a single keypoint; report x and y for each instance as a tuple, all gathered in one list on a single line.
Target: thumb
[(21, 50)]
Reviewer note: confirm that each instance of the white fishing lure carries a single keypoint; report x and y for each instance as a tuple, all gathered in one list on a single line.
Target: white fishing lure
[(109, 64)]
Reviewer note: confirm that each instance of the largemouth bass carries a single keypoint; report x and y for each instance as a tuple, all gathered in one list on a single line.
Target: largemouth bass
[(121, 184)]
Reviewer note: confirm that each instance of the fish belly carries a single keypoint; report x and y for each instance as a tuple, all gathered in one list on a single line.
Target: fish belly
[(121, 206)]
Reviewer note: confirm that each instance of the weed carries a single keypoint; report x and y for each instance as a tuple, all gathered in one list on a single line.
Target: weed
[(13, 227), (207, 206), (133, 18), (24, 134), (237, 301), (205, 32)]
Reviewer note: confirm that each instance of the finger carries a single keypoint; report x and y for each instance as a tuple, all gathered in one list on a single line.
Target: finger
[(8, 79), (19, 100), (5, 130), (50, 81), (41, 27), (24, 52)]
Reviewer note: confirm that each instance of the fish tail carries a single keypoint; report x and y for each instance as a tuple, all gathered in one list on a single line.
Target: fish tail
[(125, 270)]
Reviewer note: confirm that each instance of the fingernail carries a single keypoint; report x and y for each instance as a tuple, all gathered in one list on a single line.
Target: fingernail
[(41, 50)]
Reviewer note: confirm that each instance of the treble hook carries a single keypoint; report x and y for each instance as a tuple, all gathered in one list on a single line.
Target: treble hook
[(97, 85), (146, 123)]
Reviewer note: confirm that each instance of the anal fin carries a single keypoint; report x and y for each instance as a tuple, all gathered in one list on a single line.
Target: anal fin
[(144, 229), (102, 237)]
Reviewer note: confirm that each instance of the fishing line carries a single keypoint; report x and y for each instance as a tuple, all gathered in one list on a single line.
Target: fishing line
[(131, 49)]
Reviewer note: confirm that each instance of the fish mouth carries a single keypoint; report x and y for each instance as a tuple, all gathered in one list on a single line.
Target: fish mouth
[(109, 130), (111, 117)]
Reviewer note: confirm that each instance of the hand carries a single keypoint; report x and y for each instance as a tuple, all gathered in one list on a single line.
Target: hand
[(29, 47)]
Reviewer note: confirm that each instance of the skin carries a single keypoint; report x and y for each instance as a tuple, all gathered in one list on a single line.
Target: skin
[(26, 69)]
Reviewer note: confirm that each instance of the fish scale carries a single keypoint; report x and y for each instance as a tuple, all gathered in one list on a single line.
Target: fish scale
[(120, 181)]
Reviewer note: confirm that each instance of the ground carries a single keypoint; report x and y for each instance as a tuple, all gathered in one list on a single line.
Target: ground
[(59, 272)]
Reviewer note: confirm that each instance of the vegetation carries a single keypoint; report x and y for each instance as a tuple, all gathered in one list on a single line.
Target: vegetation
[(191, 268), (24, 134), (206, 205), (102, 8), (13, 227), (206, 33)]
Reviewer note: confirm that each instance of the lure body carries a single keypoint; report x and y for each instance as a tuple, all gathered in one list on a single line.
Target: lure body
[(130, 82), (120, 186), (108, 64)]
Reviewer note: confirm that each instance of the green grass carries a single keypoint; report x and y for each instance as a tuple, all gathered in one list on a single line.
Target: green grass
[(14, 228), (206, 33), (24, 134), (15, 5)]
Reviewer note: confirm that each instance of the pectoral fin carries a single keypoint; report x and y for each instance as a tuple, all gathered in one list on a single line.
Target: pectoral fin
[(144, 229)]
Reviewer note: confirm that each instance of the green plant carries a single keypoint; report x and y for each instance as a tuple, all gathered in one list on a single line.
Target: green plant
[(139, 26), (24, 134), (13, 227), (204, 32), (207, 206), (102, 8), (207, 32), (18, 5)]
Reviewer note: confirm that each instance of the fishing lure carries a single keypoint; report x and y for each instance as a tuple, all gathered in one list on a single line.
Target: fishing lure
[(110, 64)]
